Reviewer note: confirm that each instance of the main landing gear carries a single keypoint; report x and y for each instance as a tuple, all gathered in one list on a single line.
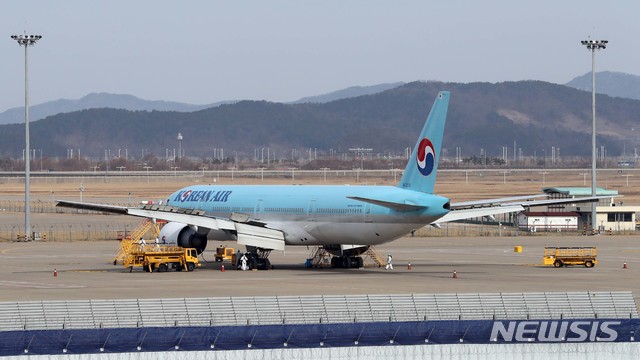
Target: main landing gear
[(347, 262), (257, 258)]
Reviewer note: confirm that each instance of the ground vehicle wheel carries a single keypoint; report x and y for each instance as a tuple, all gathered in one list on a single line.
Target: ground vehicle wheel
[(588, 264), (557, 263), (179, 267), (163, 268), (253, 263), (191, 266)]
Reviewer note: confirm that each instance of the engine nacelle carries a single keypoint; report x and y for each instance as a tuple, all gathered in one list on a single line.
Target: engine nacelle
[(175, 233)]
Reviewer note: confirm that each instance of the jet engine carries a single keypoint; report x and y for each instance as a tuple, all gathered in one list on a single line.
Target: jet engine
[(175, 233)]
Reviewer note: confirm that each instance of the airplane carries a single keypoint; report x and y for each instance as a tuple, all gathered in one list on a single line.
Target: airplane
[(344, 219)]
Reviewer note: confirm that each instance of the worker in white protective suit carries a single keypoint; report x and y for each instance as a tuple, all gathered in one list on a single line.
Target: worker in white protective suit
[(389, 262), (243, 262)]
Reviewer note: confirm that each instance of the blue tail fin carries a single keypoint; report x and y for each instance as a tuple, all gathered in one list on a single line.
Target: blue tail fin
[(420, 173)]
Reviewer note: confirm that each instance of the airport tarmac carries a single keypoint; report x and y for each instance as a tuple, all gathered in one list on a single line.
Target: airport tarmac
[(483, 265)]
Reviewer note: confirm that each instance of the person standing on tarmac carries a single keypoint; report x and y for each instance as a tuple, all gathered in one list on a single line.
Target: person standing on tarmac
[(243, 261), (389, 263)]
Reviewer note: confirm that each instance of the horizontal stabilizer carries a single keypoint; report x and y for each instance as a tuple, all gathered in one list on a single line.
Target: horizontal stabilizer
[(494, 202), (389, 204), (480, 212)]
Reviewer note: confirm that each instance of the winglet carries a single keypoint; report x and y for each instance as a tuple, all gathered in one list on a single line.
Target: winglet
[(420, 173)]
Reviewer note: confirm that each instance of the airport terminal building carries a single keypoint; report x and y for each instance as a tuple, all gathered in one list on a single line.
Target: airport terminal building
[(612, 214)]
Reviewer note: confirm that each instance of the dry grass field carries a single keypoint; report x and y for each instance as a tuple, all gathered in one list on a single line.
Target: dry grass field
[(459, 185)]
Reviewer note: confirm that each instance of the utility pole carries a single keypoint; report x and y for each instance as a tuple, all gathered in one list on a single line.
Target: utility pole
[(593, 45), (26, 41)]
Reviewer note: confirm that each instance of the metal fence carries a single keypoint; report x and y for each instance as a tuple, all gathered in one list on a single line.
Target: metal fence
[(85, 314)]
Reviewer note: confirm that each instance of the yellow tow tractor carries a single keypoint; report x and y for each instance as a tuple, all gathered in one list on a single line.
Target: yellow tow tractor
[(162, 258), (566, 256)]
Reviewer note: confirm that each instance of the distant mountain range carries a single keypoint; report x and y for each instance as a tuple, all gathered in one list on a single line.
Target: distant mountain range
[(130, 102), (483, 118), (347, 93), (98, 101), (615, 84)]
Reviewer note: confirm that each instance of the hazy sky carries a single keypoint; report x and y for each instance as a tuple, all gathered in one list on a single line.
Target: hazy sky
[(206, 51)]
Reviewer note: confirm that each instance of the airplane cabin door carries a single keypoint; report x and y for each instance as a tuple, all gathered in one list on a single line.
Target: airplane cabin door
[(368, 218), (258, 210), (311, 212)]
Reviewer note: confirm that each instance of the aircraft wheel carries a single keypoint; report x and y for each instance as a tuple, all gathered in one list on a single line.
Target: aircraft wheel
[(346, 262), (253, 264), (266, 264)]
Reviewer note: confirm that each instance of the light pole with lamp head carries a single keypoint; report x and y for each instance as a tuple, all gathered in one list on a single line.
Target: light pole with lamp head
[(26, 41), (593, 45)]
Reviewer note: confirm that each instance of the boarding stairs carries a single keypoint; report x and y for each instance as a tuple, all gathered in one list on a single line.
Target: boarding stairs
[(372, 256), (130, 243), (320, 258)]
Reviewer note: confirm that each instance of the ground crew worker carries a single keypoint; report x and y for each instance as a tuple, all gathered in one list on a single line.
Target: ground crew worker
[(389, 263), (142, 244), (243, 262)]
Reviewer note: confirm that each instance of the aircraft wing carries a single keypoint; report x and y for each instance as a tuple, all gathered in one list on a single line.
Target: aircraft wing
[(248, 232)]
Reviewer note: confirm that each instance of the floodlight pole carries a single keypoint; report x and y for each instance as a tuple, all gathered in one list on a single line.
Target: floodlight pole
[(593, 45), (26, 41)]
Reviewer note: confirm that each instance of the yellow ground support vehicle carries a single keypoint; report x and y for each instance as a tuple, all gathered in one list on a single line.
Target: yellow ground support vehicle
[(226, 253), (565, 256), (162, 258)]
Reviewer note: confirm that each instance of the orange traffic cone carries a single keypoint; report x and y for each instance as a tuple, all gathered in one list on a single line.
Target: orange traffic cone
[(409, 266), (55, 273), (455, 274), (222, 268), (625, 265)]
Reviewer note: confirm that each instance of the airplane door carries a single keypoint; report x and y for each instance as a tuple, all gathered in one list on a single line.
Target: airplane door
[(368, 218), (311, 213), (258, 210)]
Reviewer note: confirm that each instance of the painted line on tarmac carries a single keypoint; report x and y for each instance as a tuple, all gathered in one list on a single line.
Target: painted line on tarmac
[(25, 284)]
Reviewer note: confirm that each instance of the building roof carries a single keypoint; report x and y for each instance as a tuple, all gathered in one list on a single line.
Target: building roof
[(551, 213), (579, 191)]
